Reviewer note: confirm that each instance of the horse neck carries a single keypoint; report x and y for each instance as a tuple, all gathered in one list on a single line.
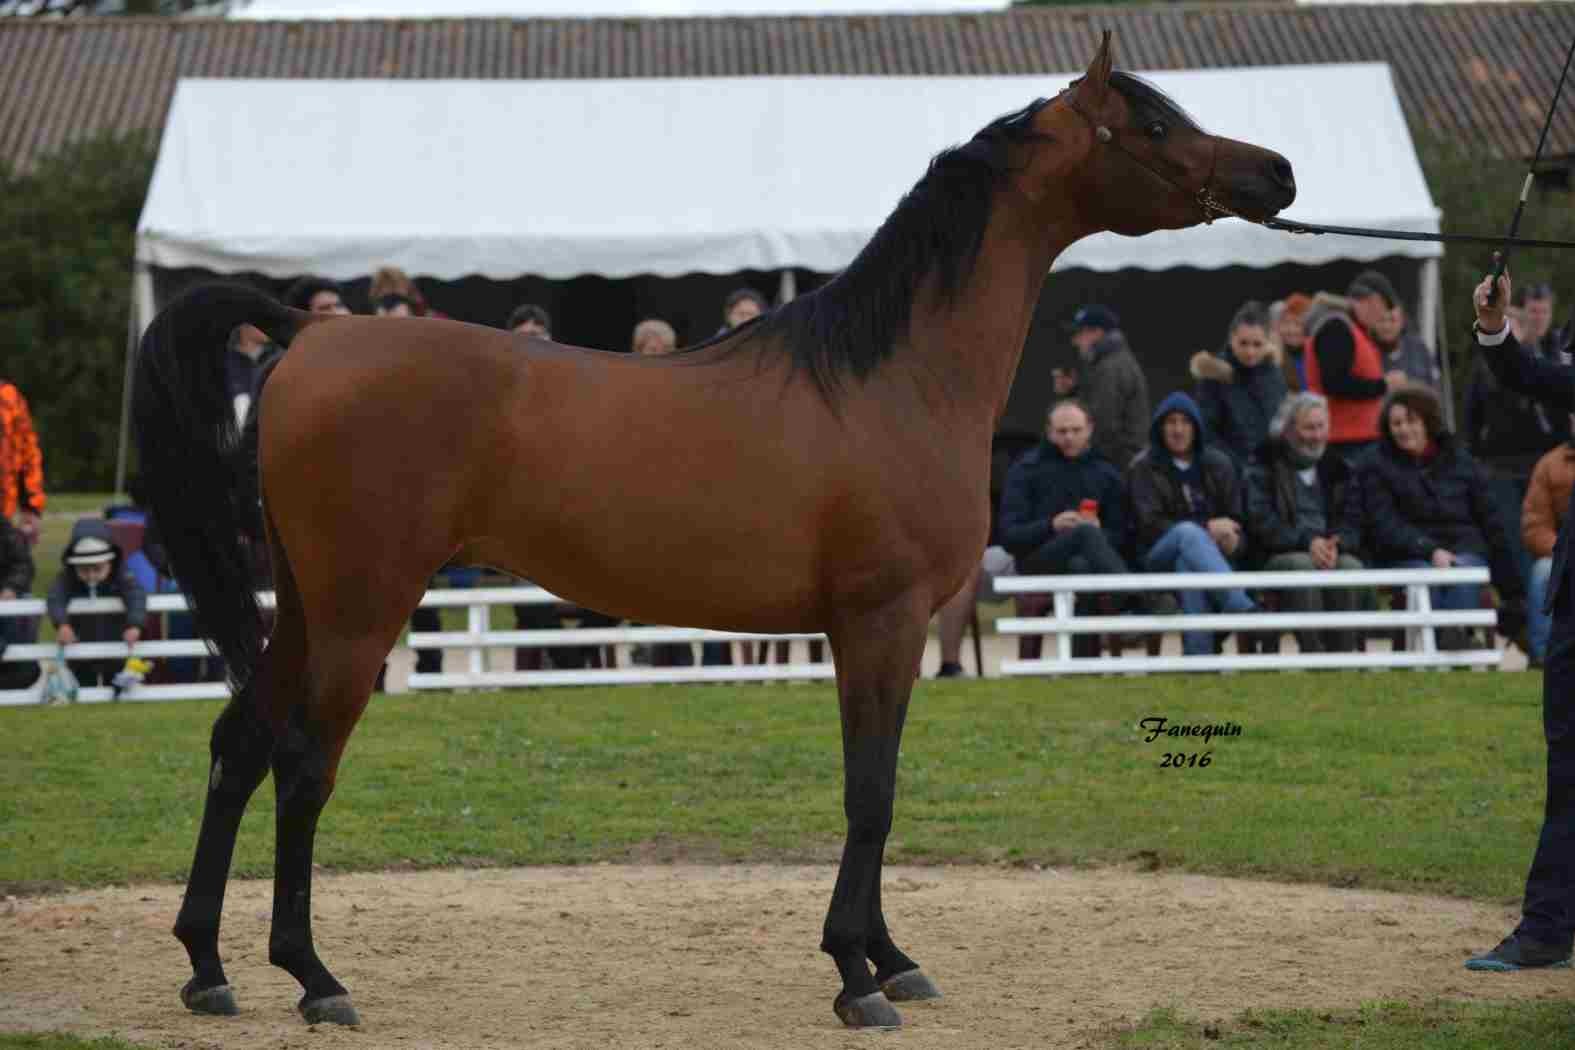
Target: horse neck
[(966, 351)]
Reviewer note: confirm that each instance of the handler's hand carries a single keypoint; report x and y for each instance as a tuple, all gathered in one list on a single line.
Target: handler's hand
[(1490, 318)]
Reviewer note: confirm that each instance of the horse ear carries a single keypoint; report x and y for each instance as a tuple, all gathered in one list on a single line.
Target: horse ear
[(1096, 81)]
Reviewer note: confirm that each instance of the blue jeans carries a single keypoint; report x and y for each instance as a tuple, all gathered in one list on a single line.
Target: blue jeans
[(1454, 595), (1188, 547), (1538, 625)]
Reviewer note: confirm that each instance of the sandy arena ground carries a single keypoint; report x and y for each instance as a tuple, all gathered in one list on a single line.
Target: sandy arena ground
[(691, 957)]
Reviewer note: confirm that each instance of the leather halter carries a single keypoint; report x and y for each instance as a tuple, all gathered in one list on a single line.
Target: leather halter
[(1203, 196)]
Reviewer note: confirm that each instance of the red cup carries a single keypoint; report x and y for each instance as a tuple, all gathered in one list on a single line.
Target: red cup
[(1088, 508)]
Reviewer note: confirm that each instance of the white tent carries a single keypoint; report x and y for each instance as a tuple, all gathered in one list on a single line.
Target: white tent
[(557, 178)]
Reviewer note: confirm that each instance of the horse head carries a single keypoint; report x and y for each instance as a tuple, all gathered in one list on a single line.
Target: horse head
[(1139, 163)]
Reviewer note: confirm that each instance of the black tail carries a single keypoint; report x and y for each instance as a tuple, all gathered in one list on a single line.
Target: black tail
[(191, 458)]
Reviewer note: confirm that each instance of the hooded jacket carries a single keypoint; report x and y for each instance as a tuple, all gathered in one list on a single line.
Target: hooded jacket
[(1414, 508), (119, 584), (1237, 402), (1043, 483), (1111, 383), (1158, 501), (1271, 503)]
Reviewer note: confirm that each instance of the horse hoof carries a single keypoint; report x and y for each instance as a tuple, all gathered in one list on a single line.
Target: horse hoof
[(334, 1009), (218, 1000), (909, 986), (867, 1011)]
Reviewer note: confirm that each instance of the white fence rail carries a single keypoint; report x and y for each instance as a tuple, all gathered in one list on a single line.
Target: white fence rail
[(1419, 620)]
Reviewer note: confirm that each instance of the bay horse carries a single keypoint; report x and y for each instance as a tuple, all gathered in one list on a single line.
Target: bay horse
[(825, 468)]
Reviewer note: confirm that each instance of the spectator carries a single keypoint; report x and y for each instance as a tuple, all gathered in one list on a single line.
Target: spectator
[(1240, 386), (533, 321), (1344, 364), (316, 295), (1429, 504), (1063, 510), (16, 578), (392, 291), (246, 360), (1509, 430), (22, 496), (652, 337), (93, 569), (1187, 511), (1301, 515), (741, 306), (530, 320), (393, 305), (952, 619), (1547, 497), (1404, 351), (1110, 383), (1287, 325)]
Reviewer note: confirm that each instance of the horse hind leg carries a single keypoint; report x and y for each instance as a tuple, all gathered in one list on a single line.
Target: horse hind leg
[(240, 748), (341, 667)]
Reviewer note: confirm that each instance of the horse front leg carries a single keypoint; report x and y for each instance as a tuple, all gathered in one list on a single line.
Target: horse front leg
[(877, 660)]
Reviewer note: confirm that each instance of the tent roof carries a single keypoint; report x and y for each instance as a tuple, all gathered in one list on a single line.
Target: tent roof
[(558, 178)]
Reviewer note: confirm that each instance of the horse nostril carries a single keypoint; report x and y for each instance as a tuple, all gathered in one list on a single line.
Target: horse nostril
[(1280, 169)]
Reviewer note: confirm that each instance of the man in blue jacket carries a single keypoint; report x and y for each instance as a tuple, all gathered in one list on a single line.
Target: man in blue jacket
[(1543, 936)]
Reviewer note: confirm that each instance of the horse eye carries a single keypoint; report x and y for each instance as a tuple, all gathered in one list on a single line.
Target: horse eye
[(1156, 130)]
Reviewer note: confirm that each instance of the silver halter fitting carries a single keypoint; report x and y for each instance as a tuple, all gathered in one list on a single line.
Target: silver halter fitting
[(1103, 134)]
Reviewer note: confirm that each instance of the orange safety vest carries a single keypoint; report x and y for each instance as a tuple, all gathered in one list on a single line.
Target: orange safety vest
[(1350, 420)]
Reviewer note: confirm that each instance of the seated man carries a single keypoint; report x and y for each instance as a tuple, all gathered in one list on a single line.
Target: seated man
[(1062, 510), (1541, 517), (1187, 511), (1302, 513)]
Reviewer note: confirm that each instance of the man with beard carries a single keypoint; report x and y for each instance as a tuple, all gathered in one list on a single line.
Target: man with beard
[(1301, 515)]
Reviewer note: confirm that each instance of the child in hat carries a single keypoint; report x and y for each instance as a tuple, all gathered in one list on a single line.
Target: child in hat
[(94, 569)]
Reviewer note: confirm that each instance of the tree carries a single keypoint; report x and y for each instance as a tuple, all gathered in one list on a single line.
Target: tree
[(67, 233), (1477, 194)]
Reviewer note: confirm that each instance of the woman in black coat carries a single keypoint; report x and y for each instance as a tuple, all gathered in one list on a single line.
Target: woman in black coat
[(1240, 387), (1428, 503)]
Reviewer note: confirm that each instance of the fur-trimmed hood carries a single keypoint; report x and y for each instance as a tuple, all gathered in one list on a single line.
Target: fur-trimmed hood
[(1220, 367), (1326, 306)]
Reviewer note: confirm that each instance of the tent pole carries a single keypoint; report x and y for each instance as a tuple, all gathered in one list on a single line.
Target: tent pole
[(140, 315), (787, 287), (1436, 337)]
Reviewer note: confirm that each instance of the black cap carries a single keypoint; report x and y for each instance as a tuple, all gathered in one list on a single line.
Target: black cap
[(1094, 316), (1371, 282)]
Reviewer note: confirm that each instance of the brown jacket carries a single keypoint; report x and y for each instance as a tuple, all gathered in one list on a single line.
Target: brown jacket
[(1546, 497)]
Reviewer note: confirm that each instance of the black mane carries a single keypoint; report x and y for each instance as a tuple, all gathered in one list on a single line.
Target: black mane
[(852, 323)]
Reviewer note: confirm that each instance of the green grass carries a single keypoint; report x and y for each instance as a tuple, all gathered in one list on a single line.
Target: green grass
[(1376, 1026), (1399, 780), (16, 1041)]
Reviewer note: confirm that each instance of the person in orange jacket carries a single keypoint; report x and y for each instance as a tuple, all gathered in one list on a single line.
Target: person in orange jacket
[(21, 464)]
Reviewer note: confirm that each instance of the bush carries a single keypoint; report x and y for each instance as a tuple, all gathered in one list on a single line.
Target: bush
[(67, 231)]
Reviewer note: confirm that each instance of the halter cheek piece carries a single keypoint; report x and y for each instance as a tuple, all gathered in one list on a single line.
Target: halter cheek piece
[(1210, 205)]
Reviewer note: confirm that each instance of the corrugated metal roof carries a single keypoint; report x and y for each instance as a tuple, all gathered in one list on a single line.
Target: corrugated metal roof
[(1479, 74)]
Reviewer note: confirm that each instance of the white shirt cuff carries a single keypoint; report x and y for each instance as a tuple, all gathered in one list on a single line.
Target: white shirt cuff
[(1497, 338)]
